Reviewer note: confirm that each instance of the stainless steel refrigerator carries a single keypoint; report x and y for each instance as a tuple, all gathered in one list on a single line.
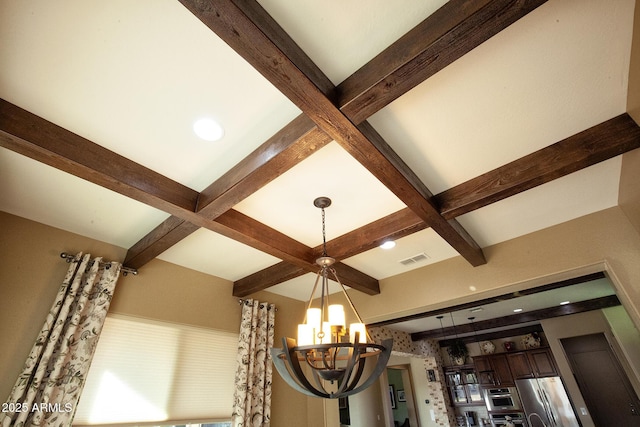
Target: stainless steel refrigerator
[(545, 403)]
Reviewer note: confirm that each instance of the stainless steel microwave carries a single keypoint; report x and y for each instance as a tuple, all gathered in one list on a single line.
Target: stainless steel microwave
[(502, 399)]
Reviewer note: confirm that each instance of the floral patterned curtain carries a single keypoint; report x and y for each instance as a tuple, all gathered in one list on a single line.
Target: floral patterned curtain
[(48, 389), (252, 396)]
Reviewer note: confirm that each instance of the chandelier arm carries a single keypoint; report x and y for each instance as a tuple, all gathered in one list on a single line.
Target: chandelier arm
[(381, 365), (344, 291), (313, 292), (324, 299), (309, 359), (291, 372), (315, 373), (326, 355), (348, 298), (361, 364), (353, 358)]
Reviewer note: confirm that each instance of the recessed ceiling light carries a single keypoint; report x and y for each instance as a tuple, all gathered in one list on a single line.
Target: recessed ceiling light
[(517, 310), (565, 302), (208, 129), (388, 244)]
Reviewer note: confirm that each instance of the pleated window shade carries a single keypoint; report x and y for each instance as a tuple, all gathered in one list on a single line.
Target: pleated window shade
[(153, 373)]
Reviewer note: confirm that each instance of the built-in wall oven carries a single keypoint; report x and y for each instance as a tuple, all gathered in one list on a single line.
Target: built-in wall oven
[(502, 399)]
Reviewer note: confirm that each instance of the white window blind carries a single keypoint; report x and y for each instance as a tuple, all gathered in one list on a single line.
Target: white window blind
[(147, 372)]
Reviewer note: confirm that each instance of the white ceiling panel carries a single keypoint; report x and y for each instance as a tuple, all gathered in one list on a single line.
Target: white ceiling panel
[(214, 254), (581, 193), (133, 77), (286, 203), (301, 287), (340, 36), (47, 195), (534, 84), (382, 263)]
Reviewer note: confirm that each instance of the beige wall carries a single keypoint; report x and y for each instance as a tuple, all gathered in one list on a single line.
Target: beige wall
[(633, 91), (629, 196), (31, 270)]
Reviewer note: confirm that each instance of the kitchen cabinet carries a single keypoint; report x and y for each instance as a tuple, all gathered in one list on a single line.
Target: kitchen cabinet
[(538, 363), (463, 385), (493, 369)]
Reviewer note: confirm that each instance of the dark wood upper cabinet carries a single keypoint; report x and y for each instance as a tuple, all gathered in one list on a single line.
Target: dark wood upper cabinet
[(536, 363), (504, 368), (493, 369)]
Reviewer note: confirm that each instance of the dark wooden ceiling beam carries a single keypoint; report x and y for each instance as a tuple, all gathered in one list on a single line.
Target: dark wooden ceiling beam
[(266, 278), (495, 299), (295, 142), (259, 236), (171, 231), (284, 271), (48, 143), (496, 335), (256, 14), (423, 51), (448, 34), (394, 226), (233, 26), (174, 229), (39, 139), (596, 144), (516, 319), (291, 145), (601, 142), (387, 166)]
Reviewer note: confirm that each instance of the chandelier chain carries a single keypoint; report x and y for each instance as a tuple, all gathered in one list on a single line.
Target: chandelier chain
[(324, 236)]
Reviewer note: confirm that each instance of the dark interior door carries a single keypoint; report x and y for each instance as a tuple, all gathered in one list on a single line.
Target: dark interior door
[(603, 383)]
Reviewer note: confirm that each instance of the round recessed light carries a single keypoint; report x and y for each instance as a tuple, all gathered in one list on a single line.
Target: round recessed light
[(565, 302), (388, 244), (517, 310), (208, 129)]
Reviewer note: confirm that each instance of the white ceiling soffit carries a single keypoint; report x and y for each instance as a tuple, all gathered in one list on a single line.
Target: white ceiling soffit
[(527, 303)]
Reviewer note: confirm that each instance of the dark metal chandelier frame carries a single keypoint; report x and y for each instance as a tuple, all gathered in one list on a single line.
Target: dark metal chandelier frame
[(330, 369)]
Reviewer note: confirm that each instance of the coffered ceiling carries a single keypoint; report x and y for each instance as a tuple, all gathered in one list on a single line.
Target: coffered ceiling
[(446, 126)]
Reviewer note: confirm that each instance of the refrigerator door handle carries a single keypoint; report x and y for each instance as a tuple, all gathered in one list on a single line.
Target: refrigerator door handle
[(547, 408)]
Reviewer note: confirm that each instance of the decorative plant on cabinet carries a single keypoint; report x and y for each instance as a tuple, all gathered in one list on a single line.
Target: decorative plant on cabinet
[(458, 352)]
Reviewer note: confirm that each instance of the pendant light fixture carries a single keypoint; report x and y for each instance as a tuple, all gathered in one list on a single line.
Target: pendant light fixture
[(328, 360), (475, 333), (441, 327)]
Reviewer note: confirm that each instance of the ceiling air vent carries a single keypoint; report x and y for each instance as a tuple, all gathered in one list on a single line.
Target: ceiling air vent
[(414, 259)]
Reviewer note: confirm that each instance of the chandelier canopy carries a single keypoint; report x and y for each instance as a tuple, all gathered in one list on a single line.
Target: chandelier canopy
[(328, 360)]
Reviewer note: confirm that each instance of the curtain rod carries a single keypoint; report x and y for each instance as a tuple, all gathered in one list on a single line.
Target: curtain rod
[(242, 301), (124, 270)]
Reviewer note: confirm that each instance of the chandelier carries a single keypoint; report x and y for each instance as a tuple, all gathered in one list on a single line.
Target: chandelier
[(328, 360)]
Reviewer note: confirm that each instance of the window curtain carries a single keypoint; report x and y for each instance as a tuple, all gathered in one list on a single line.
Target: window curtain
[(252, 395), (48, 390)]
